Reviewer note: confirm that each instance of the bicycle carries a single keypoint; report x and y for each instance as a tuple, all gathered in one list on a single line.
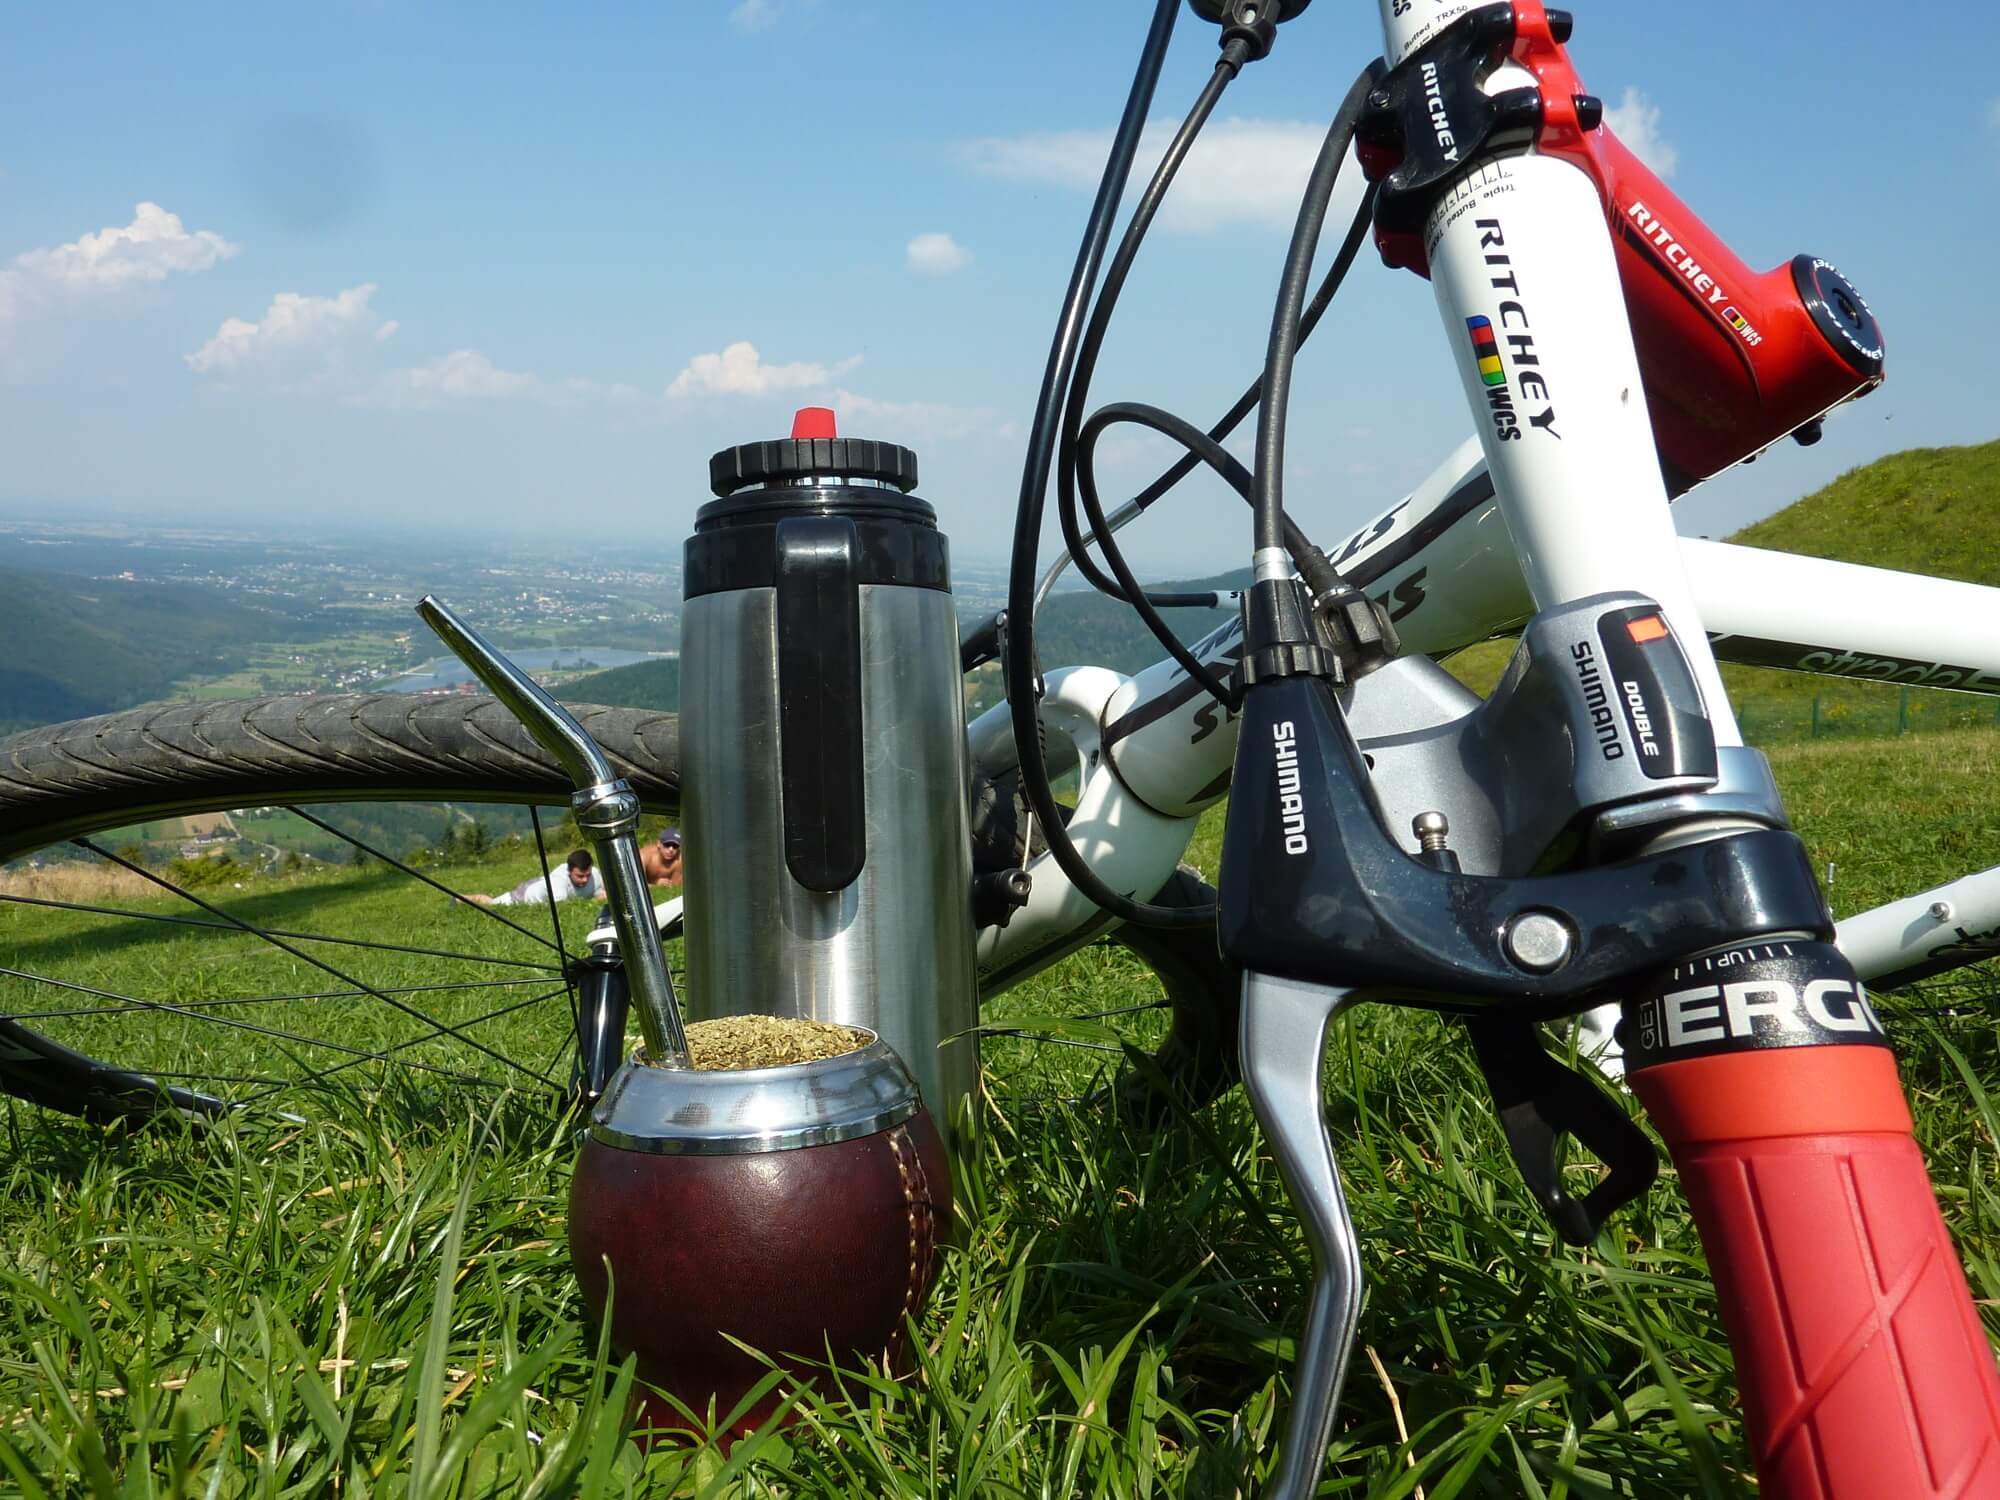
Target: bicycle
[(1152, 751)]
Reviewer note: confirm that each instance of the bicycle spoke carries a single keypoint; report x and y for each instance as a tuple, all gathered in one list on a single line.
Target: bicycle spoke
[(299, 812), (387, 1054), (285, 947), (301, 937), (156, 1074), (360, 1053), (549, 889), (117, 1010)]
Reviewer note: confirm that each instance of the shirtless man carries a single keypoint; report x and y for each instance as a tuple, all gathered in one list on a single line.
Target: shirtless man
[(662, 860)]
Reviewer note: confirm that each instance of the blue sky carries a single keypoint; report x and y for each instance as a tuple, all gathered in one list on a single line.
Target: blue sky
[(497, 266)]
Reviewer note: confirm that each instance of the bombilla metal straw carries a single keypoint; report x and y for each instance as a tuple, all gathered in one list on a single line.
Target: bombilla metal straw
[(606, 808)]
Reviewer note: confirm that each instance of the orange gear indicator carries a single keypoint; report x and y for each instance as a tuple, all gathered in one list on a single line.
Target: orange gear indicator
[(1648, 628)]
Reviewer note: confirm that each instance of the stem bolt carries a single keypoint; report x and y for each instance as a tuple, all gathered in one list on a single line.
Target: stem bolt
[(1538, 941), (1430, 829)]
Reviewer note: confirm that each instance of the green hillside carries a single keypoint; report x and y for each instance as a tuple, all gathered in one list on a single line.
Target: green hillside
[(1086, 626), (1927, 510), (645, 684), (1080, 626), (72, 645)]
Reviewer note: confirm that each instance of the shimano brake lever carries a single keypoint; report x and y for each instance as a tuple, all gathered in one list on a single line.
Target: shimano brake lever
[(1314, 887), (1283, 1034)]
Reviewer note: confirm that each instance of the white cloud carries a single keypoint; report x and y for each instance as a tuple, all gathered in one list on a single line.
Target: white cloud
[(1238, 172), (464, 374), (936, 255), (917, 421), (293, 325), (739, 370), (754, 15), (471, 376), (150, 248), (1635, 120), (326, 347)]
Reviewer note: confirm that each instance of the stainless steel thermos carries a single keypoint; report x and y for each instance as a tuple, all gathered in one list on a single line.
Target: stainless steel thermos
[(827, 857)]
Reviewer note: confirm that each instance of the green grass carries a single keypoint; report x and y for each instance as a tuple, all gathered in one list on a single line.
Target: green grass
[(378, 1301), (1925, 510)]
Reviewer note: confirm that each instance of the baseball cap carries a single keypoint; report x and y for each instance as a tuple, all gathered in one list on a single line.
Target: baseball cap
[(670, 836)]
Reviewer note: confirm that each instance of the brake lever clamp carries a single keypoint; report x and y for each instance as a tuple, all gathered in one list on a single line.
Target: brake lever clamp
[(1320, 906)]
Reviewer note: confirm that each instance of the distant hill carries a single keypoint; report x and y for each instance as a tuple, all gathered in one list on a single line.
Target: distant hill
[(1926, 510), (1086, 626), (645, 684), (1080, 626), (71, 645)]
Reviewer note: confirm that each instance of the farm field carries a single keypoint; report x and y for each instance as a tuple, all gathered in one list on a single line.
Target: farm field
[(374, 1298)]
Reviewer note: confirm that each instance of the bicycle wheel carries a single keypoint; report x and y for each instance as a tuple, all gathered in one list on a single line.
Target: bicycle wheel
[(1186, 1027), (125, 990)]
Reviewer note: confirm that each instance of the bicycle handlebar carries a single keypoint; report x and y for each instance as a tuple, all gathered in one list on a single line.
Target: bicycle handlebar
[(1862, 1364)]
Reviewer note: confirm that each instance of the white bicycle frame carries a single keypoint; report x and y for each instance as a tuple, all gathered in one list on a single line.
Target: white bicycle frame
[(1559, 500), (1155, 750)]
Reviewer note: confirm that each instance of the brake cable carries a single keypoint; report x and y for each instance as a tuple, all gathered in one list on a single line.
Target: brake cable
[(1173, 427), (1018, 665), (1021, 678)]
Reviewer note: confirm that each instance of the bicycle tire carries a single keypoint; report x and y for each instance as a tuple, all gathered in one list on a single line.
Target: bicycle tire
[(1196, 1062), (119, 769), (70, 780), (66, 781)]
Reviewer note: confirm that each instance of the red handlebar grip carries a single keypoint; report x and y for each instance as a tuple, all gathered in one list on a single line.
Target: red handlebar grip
[(1863, 1368)]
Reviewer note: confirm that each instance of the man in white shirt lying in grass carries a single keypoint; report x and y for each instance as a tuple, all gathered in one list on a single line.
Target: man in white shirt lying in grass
[(579, 879)]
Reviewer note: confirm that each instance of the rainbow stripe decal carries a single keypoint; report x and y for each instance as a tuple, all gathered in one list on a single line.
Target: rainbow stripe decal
[(1736, 320), (1486, 349)]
